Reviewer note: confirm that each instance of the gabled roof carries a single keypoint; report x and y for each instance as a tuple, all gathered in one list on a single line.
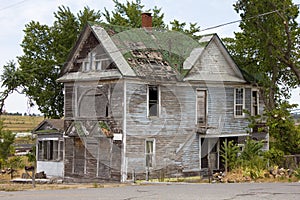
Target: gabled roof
[(150, 54), (50, 125), (214, 63)]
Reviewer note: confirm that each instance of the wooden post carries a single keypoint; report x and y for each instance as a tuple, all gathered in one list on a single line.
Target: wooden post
[(33, 178), (209, 168), (32, 169)]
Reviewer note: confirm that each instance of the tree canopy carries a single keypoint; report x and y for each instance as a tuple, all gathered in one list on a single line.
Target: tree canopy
[(45, 50), (7, 138), (268, 46)]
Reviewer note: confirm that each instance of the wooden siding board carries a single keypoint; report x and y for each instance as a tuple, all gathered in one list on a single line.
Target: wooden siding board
[(169, 130), (69, 103)]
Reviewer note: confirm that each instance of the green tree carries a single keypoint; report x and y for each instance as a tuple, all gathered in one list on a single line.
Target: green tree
[(15, 163), (7, 138), (10, 81), (45, 50), (268, 46), (193, 30), (129, 14), (286, 136)]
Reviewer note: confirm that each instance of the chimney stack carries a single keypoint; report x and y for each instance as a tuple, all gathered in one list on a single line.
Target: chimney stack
[(146, 20)]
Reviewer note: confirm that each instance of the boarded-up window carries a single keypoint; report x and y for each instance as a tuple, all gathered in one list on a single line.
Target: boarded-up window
[(201, 107), (79, 157), (149, 152), (239, 102), (153, 100)]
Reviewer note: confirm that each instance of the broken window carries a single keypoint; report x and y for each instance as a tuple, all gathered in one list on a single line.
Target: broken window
[(153, 100), (255, 103), (239, 102), (96, 60), (149, 152)]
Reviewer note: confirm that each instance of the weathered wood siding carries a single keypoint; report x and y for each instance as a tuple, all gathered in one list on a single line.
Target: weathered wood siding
[(173, 131), (69, 104), (90, 158), (90, 155)]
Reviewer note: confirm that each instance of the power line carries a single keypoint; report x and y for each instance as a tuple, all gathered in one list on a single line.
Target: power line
[(13, 5), (236, 21)]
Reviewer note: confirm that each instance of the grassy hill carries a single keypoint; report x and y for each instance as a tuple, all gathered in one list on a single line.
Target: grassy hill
[(17, 123)]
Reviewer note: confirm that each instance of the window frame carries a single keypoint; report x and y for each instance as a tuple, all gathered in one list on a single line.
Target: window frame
[(151, 154), (239, 104), (252, 102), (48, 152), (91, 60), (205, 105), (158, 101)]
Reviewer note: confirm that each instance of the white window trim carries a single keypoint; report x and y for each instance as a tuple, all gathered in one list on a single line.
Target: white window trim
[(257, 99), (206, 105), (159, 101), (153, 154), (234, 102)]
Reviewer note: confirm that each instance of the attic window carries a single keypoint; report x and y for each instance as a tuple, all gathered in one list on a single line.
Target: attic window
[(96, 62)]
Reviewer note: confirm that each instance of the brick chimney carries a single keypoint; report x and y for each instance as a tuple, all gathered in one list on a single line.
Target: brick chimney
[(146, 20)]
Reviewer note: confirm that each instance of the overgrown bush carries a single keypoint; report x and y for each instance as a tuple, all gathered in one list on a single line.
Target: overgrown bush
[(297, 173), (229, 152), (274, 156)]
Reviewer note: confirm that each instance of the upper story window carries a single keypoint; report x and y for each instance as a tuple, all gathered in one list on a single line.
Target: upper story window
[(255, 102), (153, 100), (201, 107), (239, 102)]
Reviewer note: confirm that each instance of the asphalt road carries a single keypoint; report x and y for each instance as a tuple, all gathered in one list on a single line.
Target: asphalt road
[(253, 191)]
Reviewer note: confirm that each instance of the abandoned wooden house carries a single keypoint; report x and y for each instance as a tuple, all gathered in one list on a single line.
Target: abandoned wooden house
[(50, 147), (146, 102)]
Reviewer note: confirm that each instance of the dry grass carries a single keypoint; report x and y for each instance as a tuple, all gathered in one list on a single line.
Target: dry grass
[(20, 187), (20, 123)]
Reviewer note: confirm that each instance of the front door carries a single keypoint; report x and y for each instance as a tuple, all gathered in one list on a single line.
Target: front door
[(209, 153)]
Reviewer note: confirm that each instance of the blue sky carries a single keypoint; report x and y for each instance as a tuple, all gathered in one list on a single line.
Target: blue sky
[(14, 14)]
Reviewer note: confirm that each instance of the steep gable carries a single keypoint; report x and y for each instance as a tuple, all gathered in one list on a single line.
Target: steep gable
[(94, 46), (214, 64)]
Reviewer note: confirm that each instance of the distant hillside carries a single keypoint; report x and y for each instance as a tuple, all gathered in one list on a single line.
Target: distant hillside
[(17, 123)]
